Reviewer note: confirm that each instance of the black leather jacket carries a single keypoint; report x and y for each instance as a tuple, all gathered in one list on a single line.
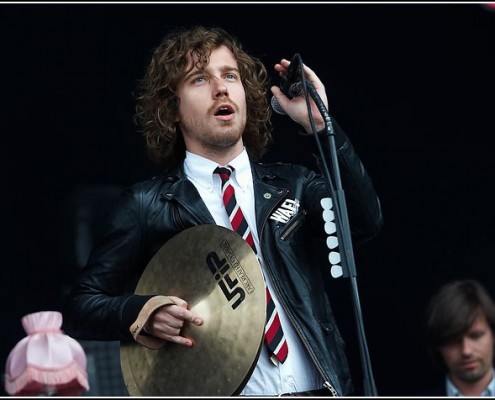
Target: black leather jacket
[(102, 305)]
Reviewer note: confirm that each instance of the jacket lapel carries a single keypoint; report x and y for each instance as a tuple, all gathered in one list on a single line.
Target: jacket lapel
[(183, 192)]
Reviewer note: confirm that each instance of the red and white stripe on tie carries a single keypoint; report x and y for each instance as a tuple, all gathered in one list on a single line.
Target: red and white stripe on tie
[(274, 336)]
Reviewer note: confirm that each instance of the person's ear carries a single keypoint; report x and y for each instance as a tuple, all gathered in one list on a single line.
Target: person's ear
[(176, 104)]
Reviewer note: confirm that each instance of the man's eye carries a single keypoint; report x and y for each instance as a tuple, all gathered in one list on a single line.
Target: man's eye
[(199, 79), (476, 334)]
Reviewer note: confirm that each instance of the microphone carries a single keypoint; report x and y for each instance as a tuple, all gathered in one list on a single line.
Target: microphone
[(290, 85), (293, 90)]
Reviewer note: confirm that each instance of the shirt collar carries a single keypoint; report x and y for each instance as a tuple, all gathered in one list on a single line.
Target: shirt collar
[(452, 390), (200, 169), (242, 169), (490, 390)]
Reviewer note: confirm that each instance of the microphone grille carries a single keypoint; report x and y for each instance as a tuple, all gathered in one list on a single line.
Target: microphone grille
[(276, 106)]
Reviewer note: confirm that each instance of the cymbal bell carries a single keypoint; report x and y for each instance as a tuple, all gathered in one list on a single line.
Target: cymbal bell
[(220, 277)]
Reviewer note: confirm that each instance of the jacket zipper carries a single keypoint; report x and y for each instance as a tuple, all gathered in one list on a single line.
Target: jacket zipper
[(295, 223), (327, 383)]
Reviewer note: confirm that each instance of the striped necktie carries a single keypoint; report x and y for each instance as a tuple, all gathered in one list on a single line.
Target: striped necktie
[(274, 336)]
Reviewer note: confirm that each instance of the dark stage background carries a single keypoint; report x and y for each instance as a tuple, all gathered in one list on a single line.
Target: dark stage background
[(412, 85)]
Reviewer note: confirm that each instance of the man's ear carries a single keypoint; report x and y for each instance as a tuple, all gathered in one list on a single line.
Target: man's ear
[(176, 109)]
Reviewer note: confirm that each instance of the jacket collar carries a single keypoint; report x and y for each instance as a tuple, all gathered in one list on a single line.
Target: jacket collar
[(267, 193), (180, 189)]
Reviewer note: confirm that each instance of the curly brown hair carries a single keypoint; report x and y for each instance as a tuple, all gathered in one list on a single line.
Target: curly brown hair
[(156, 101)]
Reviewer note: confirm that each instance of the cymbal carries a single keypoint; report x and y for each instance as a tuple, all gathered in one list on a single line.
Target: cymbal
[(219, 275)]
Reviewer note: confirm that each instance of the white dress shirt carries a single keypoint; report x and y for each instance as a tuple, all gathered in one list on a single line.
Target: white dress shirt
[(298, 372)]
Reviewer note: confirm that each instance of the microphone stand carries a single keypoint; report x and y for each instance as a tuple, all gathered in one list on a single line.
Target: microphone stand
[(343, 229)]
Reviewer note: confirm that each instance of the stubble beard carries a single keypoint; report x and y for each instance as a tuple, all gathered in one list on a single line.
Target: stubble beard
[(471, 376), (223, 139)]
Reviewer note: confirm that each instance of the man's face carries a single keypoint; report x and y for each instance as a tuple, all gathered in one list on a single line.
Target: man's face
[(212, 105), (470, 358)]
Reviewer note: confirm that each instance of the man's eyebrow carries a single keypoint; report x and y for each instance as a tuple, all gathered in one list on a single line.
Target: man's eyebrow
[(197, 71), (226, 68), (193, 72)]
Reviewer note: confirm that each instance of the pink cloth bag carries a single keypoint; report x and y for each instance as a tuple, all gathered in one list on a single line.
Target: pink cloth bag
[(46, 362)]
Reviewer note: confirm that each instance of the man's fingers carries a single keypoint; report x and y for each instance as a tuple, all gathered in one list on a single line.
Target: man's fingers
[(178, 301), (188, 342), (180, 310)]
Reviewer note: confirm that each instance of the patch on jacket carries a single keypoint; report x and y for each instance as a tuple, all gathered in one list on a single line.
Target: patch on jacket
[(285, 211)]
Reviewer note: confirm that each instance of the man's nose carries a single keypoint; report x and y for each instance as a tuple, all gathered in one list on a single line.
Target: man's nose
[(466, 345), (219, 89)]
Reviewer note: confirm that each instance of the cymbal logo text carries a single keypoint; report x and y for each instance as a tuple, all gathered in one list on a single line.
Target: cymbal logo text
[(230, 287)]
